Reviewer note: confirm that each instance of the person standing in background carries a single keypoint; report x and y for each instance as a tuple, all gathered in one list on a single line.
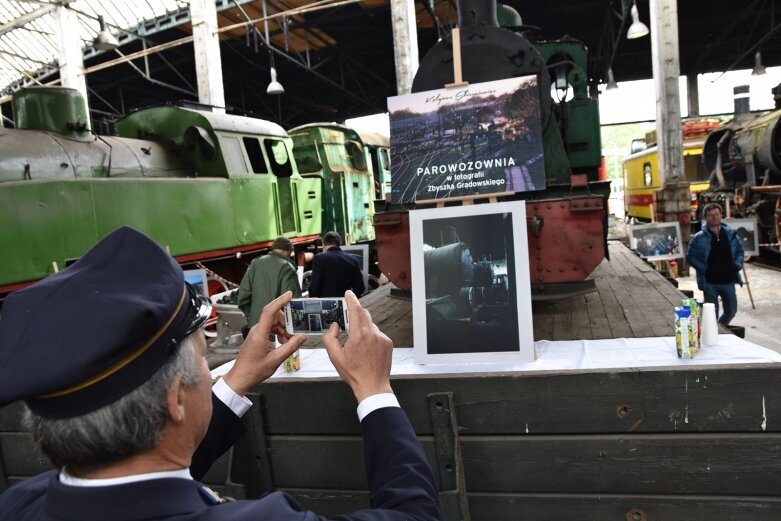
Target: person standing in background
[(716, 253), (267, 278), (335, 271)]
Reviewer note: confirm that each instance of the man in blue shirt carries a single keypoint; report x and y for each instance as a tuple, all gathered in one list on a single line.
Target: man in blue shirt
[(717, 254)]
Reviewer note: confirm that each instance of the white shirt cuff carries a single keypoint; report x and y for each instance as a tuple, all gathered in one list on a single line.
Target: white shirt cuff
[(238, 404), (374, 402)]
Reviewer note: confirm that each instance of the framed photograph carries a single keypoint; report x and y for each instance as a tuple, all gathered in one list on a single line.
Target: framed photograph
[(471, 295), (361, 251), (746, 230), (478, 140), (197, 278), (656, 241)]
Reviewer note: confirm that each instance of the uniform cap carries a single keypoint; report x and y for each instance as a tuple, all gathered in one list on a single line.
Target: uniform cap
[(86, 336)]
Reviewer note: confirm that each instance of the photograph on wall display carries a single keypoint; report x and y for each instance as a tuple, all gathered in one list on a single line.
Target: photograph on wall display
[(479, 139), (473, 303), (746, 230), (361, 252), (656, 241)]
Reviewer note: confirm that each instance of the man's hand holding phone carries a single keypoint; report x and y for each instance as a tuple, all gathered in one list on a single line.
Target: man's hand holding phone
[(364, 362), (258, 359)]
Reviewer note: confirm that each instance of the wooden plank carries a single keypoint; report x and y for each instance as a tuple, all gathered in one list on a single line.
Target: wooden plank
[(612, 507), (731, 465), (682, 399), (602, 507), (20, 456)]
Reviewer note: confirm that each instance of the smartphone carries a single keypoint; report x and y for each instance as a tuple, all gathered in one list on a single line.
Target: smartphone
[(314, 316)]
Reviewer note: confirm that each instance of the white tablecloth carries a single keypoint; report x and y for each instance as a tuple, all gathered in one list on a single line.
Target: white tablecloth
[(559, 356)]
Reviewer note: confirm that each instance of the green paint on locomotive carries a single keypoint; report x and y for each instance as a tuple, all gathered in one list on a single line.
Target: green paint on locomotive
[(335, 156), (197, 182), (578, 132)]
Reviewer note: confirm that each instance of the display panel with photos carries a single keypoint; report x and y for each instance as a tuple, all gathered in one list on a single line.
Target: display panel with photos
[(471, 296), (361, 252), (656, 241), (746, 230)]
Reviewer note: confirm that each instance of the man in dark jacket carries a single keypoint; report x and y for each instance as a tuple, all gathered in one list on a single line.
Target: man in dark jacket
[(335, 271), (108, 356), (716, 252)]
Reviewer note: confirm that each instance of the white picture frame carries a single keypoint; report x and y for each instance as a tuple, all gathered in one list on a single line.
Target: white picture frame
[(747, 232), (471, 309), (361, 251), (656, 241), (198, 279)]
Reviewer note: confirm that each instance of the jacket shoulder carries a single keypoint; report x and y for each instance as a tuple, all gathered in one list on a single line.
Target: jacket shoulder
[(26, 498)]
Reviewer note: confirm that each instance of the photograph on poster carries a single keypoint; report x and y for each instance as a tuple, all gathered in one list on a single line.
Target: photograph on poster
[(471, 298), (361, 252), (656, 241), (483, 138), (746, 230)]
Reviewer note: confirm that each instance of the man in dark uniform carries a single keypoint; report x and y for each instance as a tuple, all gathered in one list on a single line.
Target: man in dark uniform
[(335, 271), (108, 356)]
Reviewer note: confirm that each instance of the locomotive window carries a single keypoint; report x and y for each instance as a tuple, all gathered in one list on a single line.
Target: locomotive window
[(278, 157), (385, 158), (647, 174), (234, 159), (252, 146), (356, 155)]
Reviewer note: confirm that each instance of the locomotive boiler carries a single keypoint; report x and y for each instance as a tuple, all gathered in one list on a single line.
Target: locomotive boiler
[(568, 219), (210, 187), (743, 158)]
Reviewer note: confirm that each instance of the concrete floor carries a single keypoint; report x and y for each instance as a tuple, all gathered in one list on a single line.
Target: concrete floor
[(763, 320)]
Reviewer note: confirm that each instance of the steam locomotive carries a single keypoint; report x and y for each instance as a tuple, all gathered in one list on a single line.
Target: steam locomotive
[(743, 158), (568, 219), (214, 189)]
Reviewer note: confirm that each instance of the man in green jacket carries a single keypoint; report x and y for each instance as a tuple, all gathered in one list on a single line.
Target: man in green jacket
[(268, 277)]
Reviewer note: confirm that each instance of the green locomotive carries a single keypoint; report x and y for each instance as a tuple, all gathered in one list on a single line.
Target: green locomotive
[(210, 187)]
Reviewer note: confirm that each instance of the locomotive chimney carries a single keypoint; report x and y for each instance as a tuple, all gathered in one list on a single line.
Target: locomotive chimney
[(477, 13), (777, 95), (741, 99)]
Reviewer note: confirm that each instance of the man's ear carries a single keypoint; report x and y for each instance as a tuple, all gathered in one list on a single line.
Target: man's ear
[(175, 400)]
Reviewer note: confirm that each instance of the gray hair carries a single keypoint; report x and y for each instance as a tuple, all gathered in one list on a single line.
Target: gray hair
[(132, 424)]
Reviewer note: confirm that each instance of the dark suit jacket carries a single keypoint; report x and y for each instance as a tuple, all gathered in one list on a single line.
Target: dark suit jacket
[(334, 272), (401, 484)]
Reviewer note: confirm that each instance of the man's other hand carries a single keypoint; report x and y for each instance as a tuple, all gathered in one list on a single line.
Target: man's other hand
[(258, 359)]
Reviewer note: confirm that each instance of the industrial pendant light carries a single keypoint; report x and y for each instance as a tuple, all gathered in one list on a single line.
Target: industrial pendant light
[(274, 87), (759, 69), (105, 41), (611, 80), (638, 29)]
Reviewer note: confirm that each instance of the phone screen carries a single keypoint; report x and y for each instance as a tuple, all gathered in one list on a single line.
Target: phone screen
[(315, 316)]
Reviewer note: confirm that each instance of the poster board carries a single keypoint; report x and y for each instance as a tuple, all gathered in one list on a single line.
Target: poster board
[(481, 139), (656, 241), (746, 230), (471, 296), (361, 251)]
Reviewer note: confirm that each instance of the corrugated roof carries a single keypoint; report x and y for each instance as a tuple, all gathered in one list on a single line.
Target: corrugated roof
[(27, 28)]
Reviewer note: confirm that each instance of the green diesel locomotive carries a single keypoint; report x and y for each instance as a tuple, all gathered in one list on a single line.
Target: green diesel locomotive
[(210, 187)]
